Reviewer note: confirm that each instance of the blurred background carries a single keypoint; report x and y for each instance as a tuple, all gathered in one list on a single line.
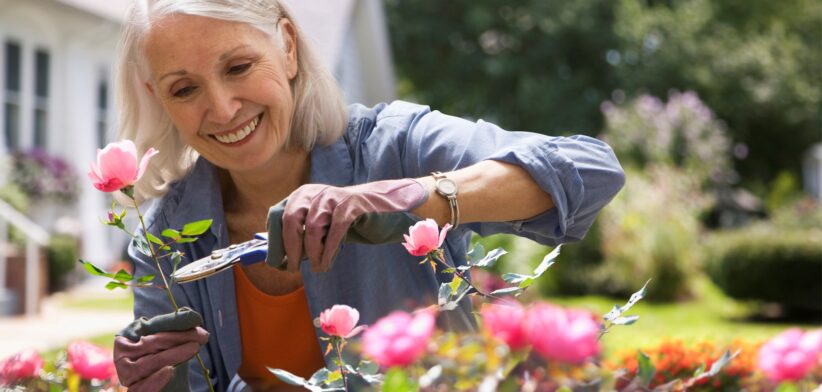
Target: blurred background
[(713, 108)]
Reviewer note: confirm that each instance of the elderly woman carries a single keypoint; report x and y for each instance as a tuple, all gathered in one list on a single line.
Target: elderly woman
[(244, 116)]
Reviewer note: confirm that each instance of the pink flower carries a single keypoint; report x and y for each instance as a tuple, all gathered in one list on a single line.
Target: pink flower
[(25, 364), (399, 339), (117, 167), (564, 335), (504, 320), (90, 361), (425, 237), (790, 355), (340, 321)]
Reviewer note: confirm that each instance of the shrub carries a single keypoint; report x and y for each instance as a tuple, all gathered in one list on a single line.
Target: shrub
[(769, 263), (61, 254), (42, 176)]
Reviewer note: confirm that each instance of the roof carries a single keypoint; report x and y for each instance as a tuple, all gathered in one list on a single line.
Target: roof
[(325, 22)]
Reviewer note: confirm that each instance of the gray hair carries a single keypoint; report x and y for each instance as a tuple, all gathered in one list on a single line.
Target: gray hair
[(319, 114)]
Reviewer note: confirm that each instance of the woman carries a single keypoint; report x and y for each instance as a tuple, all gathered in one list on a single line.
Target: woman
[(244, 116)]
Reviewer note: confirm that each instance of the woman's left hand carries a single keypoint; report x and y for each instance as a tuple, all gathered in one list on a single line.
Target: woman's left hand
[(317, 217)]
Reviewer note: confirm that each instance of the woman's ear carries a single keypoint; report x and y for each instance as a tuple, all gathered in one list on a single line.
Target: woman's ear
[(289, 37)]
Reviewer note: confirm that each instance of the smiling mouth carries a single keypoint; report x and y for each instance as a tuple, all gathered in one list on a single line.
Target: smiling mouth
[(240, 135)]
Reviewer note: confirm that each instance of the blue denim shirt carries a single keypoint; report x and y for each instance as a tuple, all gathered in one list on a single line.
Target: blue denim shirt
[(388, 141)]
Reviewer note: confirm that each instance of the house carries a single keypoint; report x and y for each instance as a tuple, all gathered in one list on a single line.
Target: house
[(56, 84)]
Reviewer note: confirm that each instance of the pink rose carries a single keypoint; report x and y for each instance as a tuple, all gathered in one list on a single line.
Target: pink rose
[(504, 320), (25, 364), (90, 361), (340, 321), (117, 167), (790, 355), (425, 237), (399, 339), (564, 335)]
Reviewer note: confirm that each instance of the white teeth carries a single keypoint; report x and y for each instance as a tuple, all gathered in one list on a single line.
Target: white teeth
[(239, 135)]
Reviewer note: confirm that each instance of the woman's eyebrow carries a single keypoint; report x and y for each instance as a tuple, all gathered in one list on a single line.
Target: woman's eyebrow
[(222, 58)]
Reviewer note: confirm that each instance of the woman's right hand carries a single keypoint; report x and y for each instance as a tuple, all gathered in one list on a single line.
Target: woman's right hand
[(148, 351)]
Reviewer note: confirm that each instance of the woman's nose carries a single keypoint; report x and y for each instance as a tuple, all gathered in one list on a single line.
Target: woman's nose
[(223, 105)]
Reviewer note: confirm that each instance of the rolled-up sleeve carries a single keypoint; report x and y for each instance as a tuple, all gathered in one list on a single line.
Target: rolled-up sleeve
[(581, 173)]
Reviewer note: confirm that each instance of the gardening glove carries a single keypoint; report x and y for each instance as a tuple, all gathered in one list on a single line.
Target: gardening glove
[(317, 218), (152, 354)]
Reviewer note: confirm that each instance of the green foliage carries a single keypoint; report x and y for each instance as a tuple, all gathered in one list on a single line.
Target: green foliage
[(61, 255), (547, 65), (650, 230), (768, 263)]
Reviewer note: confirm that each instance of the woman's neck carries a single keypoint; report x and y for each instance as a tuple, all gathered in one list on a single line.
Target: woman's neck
[(263, 187)]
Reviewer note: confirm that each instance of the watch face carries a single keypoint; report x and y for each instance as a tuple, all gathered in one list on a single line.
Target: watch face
[(447, 186)]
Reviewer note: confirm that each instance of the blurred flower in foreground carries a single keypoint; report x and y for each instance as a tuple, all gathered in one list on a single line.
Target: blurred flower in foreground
[(504, 320), (400, 338), (117, 166), (790, 355), (340, 320), (569, 336), (25, 364), (90, 362)]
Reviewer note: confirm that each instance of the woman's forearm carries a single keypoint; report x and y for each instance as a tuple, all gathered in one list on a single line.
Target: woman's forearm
[(489, 191)]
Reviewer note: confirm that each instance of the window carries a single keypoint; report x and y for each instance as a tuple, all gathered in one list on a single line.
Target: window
[(102, 112), (11, 97), (41, 97)]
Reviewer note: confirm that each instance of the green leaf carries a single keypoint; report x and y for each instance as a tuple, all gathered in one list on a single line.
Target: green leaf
[(646, 369), (115, 285), (186, 240), (397, 381), (288, 378), (367, 367), (515, 279), (444, 294), (448, 270), (476, 253), (319, 377), (176, 259), (635, 297), (527, 282), (491, 258), (455, 284), (171, 233), (625, 320), (613, 314), (141, 245), (196, 228), (154, 239), (123, 276), (145, 279), (787, 386), (506, 291), (95, 270), (547, 262), (721, 362)]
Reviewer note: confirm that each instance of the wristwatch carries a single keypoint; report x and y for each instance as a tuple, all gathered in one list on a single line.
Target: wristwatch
[(448, 189)]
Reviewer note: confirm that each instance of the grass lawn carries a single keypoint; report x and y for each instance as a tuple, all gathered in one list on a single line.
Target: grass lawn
[(712, 317)]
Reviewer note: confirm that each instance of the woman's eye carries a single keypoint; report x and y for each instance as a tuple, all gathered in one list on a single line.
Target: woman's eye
[(239, 69), (184, 92)]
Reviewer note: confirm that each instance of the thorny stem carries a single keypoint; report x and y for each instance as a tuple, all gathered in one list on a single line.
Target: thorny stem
[(338, 347), (441, 259), (167, 287)]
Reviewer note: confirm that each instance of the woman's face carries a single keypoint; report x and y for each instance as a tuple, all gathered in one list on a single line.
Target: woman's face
[(225, 85)]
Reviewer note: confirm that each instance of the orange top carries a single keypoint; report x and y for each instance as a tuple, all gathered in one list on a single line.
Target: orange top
[(276, 332)]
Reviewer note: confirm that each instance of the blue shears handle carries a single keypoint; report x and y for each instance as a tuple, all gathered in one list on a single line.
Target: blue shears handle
[(257, 253)]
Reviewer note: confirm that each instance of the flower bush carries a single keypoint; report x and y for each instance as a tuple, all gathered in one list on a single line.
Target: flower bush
[(42, 176), (82, 367)]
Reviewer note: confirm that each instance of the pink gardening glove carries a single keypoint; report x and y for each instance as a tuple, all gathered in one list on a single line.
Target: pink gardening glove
[(317, 217)]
